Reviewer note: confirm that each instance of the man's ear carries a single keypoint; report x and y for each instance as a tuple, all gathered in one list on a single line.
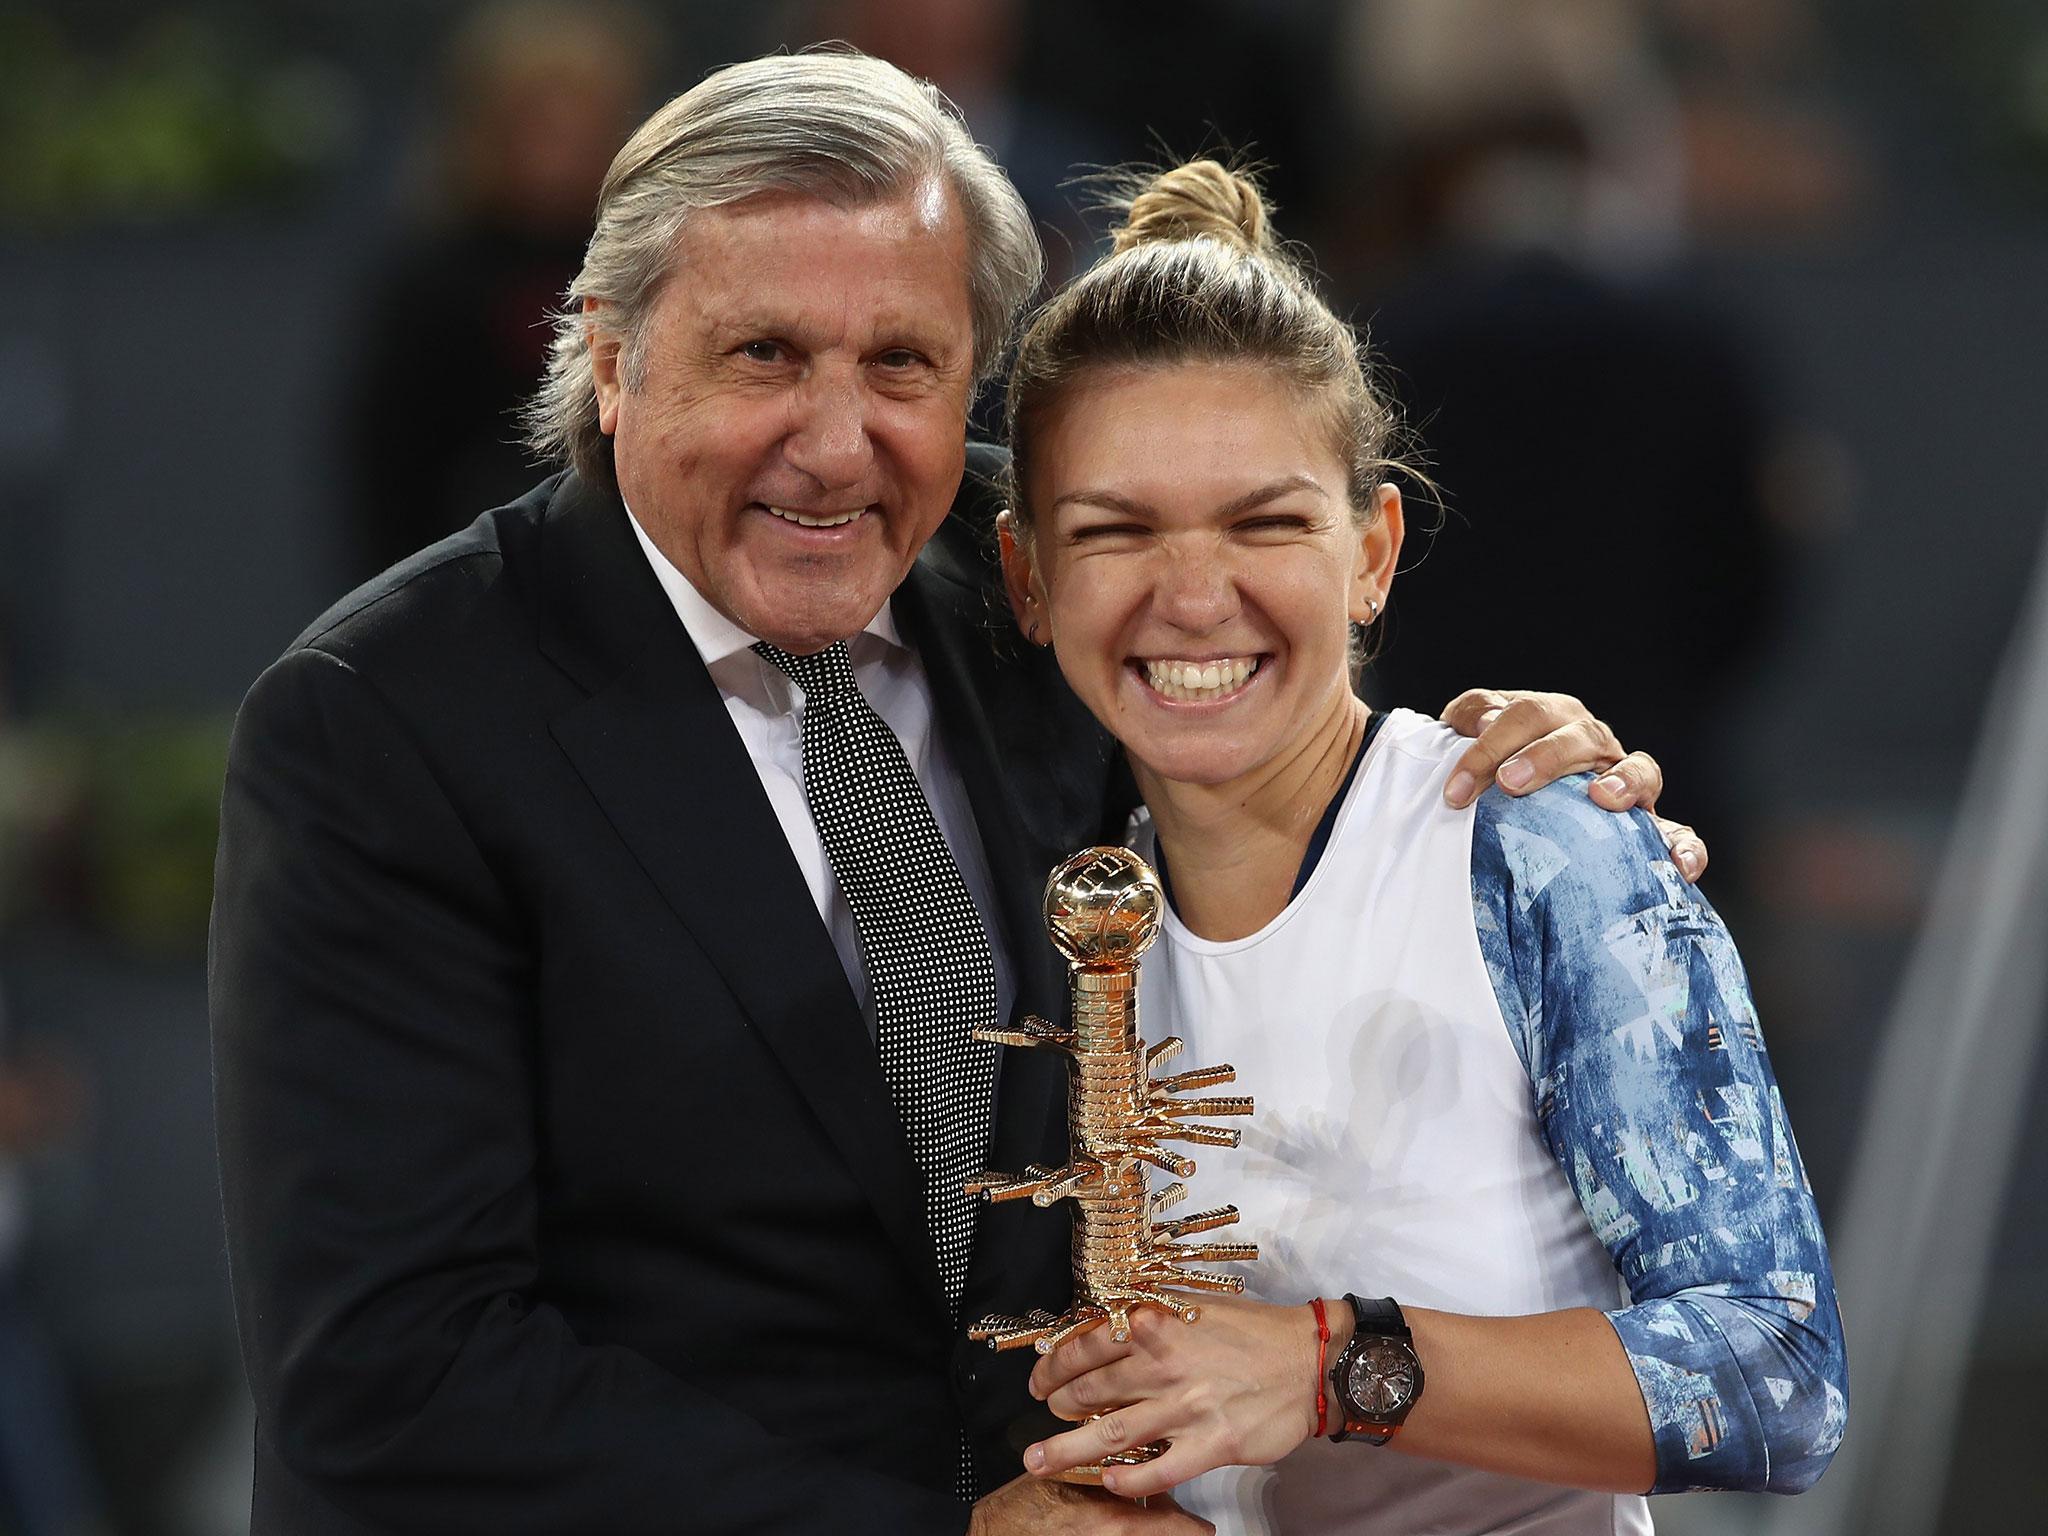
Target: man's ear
[(1379, 550), (1020, 578), (604, 367)]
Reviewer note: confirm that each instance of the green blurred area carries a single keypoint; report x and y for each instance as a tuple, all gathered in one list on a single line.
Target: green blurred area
[(109, 828), (174, 115)]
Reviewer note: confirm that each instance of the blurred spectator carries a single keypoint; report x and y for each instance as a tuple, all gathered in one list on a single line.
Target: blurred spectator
[(1598, 426), (538, 97), (1766, 150), (971, 50), (44, 1487), (1546, 122)]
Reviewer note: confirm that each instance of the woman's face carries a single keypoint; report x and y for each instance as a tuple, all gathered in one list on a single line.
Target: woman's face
[(1195, 555)]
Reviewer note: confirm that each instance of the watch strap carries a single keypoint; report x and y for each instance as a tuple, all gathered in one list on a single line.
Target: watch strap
[(1371, 1318)]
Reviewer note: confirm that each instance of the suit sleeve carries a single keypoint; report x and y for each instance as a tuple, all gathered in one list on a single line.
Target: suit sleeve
[(375, 1097), (1654, 1092)]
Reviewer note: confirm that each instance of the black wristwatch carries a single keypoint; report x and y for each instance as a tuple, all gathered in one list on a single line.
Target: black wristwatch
[(1378, 1377)]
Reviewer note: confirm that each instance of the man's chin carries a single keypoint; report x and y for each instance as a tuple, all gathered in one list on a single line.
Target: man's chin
[(807, 633)]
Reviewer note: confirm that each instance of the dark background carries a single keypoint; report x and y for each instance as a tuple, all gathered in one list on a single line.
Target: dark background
[(1759, 468)]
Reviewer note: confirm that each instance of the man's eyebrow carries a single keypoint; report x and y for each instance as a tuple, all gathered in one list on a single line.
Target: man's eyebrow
[(899, 330), (1272, 491)]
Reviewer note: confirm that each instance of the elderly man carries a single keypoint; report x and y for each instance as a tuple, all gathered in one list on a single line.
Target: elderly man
[(606, 893)]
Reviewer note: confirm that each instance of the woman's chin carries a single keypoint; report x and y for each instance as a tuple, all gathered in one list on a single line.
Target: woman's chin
[(1204, 764)]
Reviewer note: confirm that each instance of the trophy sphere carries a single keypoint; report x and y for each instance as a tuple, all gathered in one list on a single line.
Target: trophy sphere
[(1102, 906)]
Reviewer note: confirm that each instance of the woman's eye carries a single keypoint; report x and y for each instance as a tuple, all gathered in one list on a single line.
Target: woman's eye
[(1096, 532), (1275, 524)]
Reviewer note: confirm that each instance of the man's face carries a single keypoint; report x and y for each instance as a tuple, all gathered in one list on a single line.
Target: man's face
[(800, 429)]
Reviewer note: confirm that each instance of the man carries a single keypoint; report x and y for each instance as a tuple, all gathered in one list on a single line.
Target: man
[(585, 1167)]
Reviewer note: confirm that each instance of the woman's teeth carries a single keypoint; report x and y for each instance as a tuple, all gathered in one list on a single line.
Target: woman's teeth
[(804, 520), (1195, 682)]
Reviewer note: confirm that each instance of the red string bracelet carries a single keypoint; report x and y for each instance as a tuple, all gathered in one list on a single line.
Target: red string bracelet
[(1322, 1362)]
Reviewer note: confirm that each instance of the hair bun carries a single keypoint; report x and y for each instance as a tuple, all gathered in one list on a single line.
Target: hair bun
[(1201, 197)]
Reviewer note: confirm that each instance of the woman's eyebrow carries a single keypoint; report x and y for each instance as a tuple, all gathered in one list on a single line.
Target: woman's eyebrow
[(1244, 503)]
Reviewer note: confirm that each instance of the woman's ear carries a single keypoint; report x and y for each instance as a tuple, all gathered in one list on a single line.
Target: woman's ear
[(1020, 578), (1379, 550)]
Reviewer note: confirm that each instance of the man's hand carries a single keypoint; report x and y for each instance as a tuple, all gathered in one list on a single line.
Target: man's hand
[(1031, 1505), (1527, 740), (1236, 1388)]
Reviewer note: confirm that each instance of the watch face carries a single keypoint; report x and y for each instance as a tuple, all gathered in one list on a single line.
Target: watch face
[(1382, 1378)]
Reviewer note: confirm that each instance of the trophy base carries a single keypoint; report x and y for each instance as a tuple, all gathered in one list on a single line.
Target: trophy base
[(1091, 1475)]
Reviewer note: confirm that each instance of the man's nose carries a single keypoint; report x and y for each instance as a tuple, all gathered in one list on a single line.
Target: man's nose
[(1195, 589), (828, 438)]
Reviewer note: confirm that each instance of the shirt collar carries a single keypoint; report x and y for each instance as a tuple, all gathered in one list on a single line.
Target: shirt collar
[(716, 636)]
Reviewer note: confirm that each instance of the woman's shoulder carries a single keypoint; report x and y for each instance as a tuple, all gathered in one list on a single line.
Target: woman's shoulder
[(1555, 843), (1581, 913)]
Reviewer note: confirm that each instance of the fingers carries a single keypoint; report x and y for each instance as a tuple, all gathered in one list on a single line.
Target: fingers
[(1105, 1387), (1151, 1479), (1117, 1430), (1081, 1354), (1533, 740), (1688, 848), (1468, 713), (1636, 780)]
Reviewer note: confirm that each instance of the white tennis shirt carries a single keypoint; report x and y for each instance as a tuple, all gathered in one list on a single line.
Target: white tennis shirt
[(1394, 1151)]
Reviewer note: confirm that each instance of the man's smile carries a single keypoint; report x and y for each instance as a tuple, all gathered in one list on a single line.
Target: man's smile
[(816, 519)]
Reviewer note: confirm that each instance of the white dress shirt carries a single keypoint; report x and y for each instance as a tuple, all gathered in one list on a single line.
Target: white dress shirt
[(766, 709)]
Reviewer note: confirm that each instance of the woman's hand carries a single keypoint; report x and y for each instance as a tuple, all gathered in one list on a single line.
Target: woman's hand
[(1236, 1388), (1527, 740)]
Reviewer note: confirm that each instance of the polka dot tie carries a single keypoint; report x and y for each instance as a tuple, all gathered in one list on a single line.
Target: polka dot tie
[(922, 940)]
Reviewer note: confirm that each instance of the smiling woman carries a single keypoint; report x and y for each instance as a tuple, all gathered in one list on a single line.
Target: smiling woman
[(1207, 592), (1511, 1085)]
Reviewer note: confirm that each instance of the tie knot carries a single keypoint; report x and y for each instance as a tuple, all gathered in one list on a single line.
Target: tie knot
[(828, 674)]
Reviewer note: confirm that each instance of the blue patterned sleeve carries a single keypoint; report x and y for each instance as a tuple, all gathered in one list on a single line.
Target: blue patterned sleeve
[(1652, 1088)]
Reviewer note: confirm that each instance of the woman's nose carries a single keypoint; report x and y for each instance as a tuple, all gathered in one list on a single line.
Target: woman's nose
[(1195, 590)]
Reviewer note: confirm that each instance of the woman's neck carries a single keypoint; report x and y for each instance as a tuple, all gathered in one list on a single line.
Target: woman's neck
[(1233, 850)]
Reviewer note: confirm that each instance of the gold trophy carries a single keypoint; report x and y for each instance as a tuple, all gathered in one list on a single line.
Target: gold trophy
[(1102, 908)]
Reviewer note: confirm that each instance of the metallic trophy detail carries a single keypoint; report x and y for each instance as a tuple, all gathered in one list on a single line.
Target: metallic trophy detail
[(1102, 908)]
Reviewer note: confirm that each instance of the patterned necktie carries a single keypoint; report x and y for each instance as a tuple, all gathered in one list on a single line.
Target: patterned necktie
[(927, 953)]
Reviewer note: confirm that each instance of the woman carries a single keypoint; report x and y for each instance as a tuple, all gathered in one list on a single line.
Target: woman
[(1510, 1086)]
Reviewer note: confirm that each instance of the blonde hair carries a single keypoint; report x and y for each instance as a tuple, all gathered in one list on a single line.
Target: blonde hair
[(1196, 274), (832, 124)]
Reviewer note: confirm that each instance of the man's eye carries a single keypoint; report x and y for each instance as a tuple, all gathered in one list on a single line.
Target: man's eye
[(900, 357), (762, 351)]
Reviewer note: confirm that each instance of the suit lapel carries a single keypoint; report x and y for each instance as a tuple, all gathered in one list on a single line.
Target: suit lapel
[(1037, 791), (656, 748)]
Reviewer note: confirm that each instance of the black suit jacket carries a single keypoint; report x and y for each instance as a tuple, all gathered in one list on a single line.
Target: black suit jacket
[(563, 1190)]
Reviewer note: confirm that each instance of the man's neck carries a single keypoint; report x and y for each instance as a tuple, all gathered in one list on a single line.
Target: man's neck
[(1234, 849)]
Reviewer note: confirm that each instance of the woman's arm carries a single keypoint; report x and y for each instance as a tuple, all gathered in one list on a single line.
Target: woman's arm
[(1652, 1089), (1549, 1397)]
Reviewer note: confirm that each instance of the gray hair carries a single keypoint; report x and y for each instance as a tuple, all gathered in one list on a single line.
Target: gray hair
[(835, 125)]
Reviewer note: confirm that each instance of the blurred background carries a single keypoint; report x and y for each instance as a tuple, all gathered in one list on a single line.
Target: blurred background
[(1722, 323)]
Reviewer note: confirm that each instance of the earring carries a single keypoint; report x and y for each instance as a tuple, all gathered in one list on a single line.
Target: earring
[(1372, 610)]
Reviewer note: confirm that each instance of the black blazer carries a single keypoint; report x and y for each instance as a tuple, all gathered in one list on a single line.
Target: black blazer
[(563, 1191)]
